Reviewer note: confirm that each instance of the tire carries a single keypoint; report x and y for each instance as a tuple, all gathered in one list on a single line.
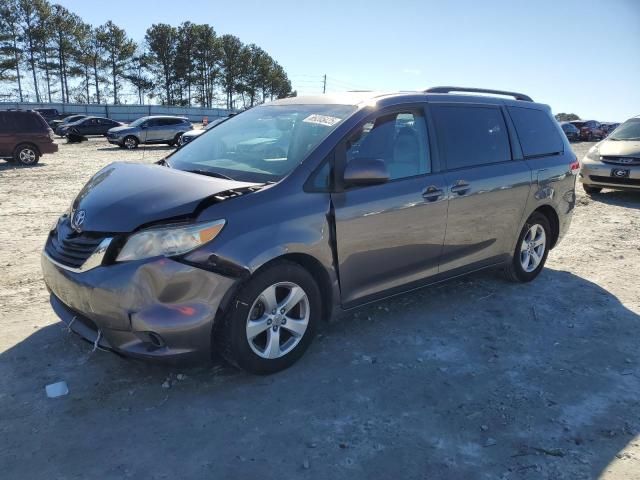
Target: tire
[(26, 154), (515, 270), (591, 190), (251, 307), (130, 142), (176, 140)]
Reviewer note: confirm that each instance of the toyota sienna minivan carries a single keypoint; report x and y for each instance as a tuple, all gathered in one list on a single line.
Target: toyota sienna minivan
[(242, 241)]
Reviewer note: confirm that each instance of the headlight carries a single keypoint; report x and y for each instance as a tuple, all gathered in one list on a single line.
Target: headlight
[(169, 241), (594, 154)]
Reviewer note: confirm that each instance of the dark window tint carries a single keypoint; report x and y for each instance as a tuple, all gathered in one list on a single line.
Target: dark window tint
[(537, 132), (471, 136), (21, 122), (400, 139)]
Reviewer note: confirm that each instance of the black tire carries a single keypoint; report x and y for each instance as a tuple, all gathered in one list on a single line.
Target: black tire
[(26, 154), (130, 142), (514, 271), (176, 140), (591, 190), (230, 337)]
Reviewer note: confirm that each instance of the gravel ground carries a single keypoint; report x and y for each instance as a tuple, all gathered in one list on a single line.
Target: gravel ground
[(475, 378)]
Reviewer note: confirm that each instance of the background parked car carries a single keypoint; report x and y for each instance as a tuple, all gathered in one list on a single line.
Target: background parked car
[(614, 162), (571, 131), (609, 127), (48, 113), (154, 129), (55, 124), (24, 137), (190, 135), (590, 130), (88, 126)]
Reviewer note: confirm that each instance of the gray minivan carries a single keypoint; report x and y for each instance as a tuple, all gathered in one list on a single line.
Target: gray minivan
[(153, 129), (243, 240)]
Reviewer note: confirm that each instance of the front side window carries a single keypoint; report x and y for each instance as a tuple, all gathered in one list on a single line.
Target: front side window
[(262, 144), (470, 136), (400, 139)]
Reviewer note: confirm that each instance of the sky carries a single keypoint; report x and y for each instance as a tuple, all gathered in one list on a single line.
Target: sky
[(578, 56)]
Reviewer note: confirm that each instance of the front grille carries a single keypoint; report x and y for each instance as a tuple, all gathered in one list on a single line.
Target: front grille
[(69, 247), (615, 180), (621, 160)]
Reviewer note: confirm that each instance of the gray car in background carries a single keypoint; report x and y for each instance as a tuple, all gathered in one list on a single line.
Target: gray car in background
[(149, 130), (244, 240)]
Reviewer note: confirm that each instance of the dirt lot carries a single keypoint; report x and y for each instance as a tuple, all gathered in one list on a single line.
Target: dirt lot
[(475, 378)]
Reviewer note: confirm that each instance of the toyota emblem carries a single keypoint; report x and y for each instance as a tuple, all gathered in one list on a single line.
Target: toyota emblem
[(78, 219)]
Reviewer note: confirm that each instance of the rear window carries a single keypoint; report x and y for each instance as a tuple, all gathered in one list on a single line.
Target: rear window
[(20, 122), (471, 136), (536, 131)]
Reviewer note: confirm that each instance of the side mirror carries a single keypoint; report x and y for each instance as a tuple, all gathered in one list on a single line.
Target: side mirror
[(366, 171)]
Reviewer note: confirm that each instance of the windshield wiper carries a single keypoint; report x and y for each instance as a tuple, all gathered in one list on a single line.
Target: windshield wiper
[(209, 173)]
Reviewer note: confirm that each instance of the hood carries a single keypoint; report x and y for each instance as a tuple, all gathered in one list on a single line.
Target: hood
[(193, 133), (122, 128), (123, 196), (622, 148)]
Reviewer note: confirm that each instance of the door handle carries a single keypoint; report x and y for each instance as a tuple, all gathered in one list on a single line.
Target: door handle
[(461, 187), (432, 193)]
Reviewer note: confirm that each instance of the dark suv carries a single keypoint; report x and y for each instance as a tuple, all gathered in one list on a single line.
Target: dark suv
[(244, 240), (24, 137), (590, 130)]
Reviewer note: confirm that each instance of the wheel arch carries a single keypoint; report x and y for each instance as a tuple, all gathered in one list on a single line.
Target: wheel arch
[(30, 144), (317, 271), (554, 221)]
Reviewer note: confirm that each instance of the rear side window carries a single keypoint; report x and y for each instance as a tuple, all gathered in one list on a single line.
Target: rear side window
[(22, 122), (470, 136), (536, 131)]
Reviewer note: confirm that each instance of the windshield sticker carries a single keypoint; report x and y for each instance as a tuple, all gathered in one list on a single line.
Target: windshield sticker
[(321, 120)]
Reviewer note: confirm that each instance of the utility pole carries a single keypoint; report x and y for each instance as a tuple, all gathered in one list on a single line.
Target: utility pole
[(324, 84)]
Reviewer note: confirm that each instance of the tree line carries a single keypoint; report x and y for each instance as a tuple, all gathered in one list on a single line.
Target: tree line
[(48, 53)]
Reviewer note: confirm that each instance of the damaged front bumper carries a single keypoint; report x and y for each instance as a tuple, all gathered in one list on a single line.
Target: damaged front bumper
[(154, 309)]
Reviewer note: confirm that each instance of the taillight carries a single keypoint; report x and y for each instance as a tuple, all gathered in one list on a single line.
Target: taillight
[(574, 166)]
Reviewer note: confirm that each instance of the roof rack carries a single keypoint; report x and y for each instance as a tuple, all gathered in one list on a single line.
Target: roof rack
[(517, 96)]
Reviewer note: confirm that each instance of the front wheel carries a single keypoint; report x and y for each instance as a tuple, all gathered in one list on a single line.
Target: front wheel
[(130, 142), (272, 320), (531, 249)]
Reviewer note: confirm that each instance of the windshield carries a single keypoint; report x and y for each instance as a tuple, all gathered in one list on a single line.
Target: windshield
[(137, 122), (262, 144), (629, 130)]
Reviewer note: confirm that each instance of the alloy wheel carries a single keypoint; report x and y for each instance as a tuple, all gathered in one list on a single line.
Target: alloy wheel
[(130, 143), (532, 248), (27, 156), (277, 320)]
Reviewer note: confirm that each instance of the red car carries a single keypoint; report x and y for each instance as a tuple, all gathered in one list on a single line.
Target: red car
[(590, 130)]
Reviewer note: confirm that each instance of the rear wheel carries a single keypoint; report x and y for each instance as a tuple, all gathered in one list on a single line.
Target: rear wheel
[(272, 320), (589, 190), (176, 140), (130, 142), (531, 250), (26, 155)]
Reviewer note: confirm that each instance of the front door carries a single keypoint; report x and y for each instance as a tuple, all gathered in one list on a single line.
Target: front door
[(391, 234)]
